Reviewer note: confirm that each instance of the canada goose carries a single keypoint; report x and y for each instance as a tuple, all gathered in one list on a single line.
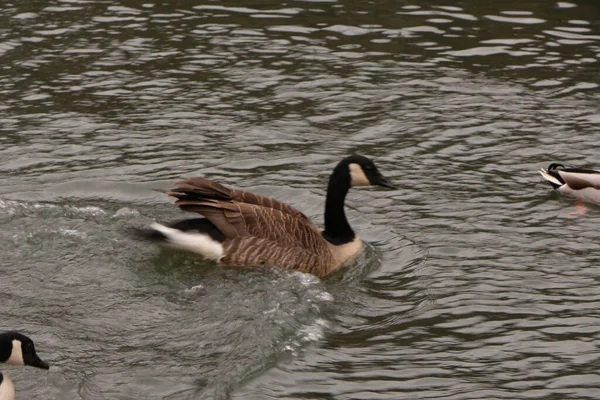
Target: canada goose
[(16, 349), (581, 183), (243, 228)]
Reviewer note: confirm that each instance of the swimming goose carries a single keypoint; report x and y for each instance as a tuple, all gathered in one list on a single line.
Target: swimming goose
[(246, 229), (581, 183), (16, 349)]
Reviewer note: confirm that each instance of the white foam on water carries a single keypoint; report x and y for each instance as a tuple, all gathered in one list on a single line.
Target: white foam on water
[(324, 296), (72, 232), (7, 208), (16, 207), (314, 332), (11, 206), (126, 212), (194, 289), (38, 206), (86, 210), (307, 279), (308, 334)]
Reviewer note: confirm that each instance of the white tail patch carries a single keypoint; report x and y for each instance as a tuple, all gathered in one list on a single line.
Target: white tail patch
[(550, 178), (199, 243), (7, 389)]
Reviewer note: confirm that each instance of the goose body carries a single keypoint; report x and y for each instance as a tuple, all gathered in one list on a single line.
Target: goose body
[(245, 229), (581, 183), (16, 349)]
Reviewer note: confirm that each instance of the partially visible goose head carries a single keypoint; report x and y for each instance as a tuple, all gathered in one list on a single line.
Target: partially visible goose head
[(552, 175), (18, 349), (7, 389), (362, 172)]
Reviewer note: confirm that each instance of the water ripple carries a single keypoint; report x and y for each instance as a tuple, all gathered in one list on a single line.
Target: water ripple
[(478, 283)]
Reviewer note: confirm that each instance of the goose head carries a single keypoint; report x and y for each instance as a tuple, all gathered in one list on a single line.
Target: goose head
[(363, 172), (18, 349)]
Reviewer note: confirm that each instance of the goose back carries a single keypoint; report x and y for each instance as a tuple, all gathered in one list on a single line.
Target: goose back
[(581, 180), (258, 230), (203, 189)]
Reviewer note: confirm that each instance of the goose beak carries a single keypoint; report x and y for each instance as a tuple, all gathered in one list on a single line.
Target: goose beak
[(381, 180), (35, 361)]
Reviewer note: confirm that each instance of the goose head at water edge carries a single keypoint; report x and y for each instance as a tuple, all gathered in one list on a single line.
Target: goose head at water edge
[(18, 349)]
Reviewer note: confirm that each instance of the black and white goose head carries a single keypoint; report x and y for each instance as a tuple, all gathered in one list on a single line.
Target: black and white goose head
[(18, 349), (363, 172)]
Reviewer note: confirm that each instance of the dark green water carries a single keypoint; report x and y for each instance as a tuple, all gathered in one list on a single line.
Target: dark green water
[(478, 283)]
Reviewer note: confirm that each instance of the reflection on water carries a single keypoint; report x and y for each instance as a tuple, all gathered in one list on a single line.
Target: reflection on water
[(479, 283)]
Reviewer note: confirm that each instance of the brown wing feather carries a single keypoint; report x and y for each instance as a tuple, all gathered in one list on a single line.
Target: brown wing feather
[(236, 219), (253, 251), (203, 189), (258, 229)]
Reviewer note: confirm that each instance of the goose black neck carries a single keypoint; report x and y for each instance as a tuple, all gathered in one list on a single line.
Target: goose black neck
[(337, 229)]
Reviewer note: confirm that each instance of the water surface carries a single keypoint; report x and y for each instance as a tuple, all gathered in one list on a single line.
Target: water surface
[(477, 282)]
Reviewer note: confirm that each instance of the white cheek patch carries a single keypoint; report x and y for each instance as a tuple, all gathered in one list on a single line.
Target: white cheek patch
[(357, 176), (16, 356)]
